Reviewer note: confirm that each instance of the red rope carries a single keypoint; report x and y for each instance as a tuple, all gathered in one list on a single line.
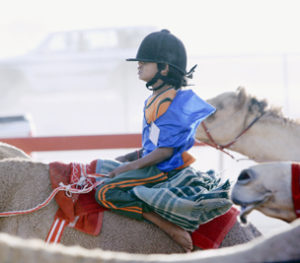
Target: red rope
[(47, 201)]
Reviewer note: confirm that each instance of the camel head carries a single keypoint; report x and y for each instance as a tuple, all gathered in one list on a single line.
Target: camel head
[(234, 110), (267, 188)]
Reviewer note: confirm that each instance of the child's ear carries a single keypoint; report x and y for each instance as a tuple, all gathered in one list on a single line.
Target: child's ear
[(165, 71)]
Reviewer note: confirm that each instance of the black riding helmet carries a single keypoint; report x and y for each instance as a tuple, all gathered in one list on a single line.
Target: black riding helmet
[(162, 47)]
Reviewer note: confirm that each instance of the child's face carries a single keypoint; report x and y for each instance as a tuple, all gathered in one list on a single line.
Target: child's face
[(147, 70)]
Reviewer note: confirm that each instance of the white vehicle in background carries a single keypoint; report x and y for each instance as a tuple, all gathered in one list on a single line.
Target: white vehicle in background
[(77, 82), (15, 126), (73, 60)]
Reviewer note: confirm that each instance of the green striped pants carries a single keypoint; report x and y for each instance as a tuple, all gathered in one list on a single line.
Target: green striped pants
[(115, 194)]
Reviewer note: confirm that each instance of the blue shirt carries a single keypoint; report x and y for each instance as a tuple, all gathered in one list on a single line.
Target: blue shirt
[(177, 127)]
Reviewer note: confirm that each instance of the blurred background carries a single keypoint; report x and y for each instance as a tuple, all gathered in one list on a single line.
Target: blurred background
[(63, 68)]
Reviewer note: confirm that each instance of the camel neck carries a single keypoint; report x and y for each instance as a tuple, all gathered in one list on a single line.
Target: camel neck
[(270, 139)]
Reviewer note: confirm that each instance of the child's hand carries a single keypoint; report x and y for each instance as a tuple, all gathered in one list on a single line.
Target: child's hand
[(112, 174)]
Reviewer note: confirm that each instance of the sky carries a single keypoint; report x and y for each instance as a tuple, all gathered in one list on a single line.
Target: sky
[(207, 27)]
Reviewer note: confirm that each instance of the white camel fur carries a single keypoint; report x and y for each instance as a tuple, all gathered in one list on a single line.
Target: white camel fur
[(272, 137), (280, 247), (25, 184), (267, 188)]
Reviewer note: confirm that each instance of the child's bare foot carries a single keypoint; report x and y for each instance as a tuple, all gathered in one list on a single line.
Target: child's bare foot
[(179, 235)]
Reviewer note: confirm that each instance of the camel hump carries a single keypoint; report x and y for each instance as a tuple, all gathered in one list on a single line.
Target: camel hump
[(10, 151)]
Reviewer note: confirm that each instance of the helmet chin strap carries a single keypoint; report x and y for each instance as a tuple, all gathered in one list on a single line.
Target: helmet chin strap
[(154, 80)]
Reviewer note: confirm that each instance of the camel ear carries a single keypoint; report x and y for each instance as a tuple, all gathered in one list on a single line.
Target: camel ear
[(257, 106), (241, 97)]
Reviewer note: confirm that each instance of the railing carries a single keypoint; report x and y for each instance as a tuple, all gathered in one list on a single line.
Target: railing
[(82, 142)]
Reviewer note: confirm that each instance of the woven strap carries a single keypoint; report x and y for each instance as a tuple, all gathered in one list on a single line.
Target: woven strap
[(56, 231)]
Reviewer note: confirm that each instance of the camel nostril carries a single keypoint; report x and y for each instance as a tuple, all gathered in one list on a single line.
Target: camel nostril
[(244, 176)]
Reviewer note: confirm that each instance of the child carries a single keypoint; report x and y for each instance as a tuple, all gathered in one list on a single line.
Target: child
[(171, 117)]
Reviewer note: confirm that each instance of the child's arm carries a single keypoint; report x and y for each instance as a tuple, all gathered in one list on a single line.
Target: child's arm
[(129, 157), (157, 156)]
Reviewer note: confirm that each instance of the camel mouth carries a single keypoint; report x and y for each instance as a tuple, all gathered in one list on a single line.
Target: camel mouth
[(246, 208)]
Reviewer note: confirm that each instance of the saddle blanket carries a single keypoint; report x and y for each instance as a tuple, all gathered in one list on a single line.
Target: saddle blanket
[(82, 212), (79, 211)]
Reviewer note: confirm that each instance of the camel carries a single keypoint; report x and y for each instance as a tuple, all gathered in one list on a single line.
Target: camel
[(280, 247), (246, 125), (267, 188), (25, 183), (9, 151)]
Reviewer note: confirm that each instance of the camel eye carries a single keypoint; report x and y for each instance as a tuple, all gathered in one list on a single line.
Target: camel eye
[(244, 176)]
